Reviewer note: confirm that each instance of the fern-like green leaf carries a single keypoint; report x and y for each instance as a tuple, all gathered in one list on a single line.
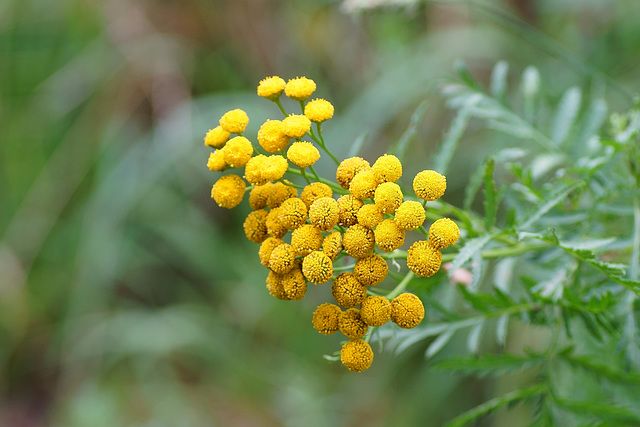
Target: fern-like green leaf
[(491, 364), (489, 195)]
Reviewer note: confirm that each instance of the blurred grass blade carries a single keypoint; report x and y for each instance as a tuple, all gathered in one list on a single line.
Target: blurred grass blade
[(530, 90), (489, 195), (566, 115), (453, 135), (498, 87), (399, 149), (357, 144)]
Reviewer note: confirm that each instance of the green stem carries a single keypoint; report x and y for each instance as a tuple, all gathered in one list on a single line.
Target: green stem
[(333, 185), (635, 253), (302, 106), (277, 101), (320, 141), (314, 173), (401, 286), (304, 175)]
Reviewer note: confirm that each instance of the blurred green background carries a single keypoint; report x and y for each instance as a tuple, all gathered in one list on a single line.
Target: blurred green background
[(126, 296)]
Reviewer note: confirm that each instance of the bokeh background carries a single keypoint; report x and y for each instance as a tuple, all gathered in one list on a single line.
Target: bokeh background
[(127, 297)]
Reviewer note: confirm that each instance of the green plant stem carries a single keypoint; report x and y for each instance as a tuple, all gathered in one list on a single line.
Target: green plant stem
[(635, 253), (401, 286), (333, 185), (277, 101), (315, 174), (514, 250), (320, 141), (302, 106), (304, 175)]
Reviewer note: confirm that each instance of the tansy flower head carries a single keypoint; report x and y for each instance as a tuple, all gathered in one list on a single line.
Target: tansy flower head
[(271, 87), (371, 270), (387, 168), (275, 286), (364, 184), (351, 324), (278, 193), (326, 318), (294, 213), (261, 169), (369, 216), (299, 88), (266, 248), (410, 215), (407, 310), (318, 110), (294, 284), (358, 241), (228, 191), (443, 233), (423, 260), (303, 154), (296, 125), (348, 208), (429, 185), (234, 121), (332, 244), (317, 267), (347, 291), (314, 191), (388, 197), (348, 168), (216, 161), (258, 196), (238, 151), (323, 213), (388, 235), (306, 239), (275, 227), (375, 310), (216, 137), (255, 226), (356, 355), (271, 136), (282, 258)]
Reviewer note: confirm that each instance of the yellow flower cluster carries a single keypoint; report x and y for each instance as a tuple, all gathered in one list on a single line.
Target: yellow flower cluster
[(302, 233)]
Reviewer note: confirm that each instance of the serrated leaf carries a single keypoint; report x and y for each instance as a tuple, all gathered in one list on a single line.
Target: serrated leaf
[(498, 87), (471, 247), (491, 364), (566, 114), (489, 195), (439, 343), (399, 149), (422, 334), (605, 411), (453, 135), (546, 207), (477, 269), (602, 370)]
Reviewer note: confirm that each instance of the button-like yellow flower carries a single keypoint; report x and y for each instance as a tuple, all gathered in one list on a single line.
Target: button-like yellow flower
[(296, 125), (318, 110), (323, 213), (407, 310), (234, 121), (294, 213), (332, 244), (266, 248), (348, 208), (348, 168), (375, 310), (294, 283), (238, 151), (303, 154), (228, 191), (258, 196), (278, 193), (261, 169), (370, 216), (429, 185), (371, 270), (255, 226), (423, 260), (326, 318), (364, 184), (275, 227), (216, 137), (387, 168), (388, 197), (275, 286), (317, 267), (306, 239), (299, 88), (347, 291), (314, 191), (358, 241), (410, 215), (443, 233), (351, 324), (271, 136), (282, 258), (388, 235), (271, 87), (356, 355), (216, 161)]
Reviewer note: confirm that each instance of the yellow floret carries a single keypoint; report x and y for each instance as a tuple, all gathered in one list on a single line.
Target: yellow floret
[(348, 168), (423, 260), (347, 291), (371, 270), (271, 136), (332, 244), (216, 137), (317, 267), (275, 286), (388, 235), (429, 185), (258, 196), (278, 193), (216, 161), (261, 169), (356, 355), (358, 241), (369, 216), (234, 121), (282, 258), (299, 88), (410, 215), (271, 87), (351, 324), (388, 197), (387, 168), (228, 191), (294, 213), (443, 233), (275, 227), (364, 184), (348, 208), (296, 125), (266, 248), (238, 151), (318, 110), (294, 283), (407, 310), (323, 213), (303, 154), (326, 318), (255, 226), (314, 191), (306, 239), (375, 310)]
